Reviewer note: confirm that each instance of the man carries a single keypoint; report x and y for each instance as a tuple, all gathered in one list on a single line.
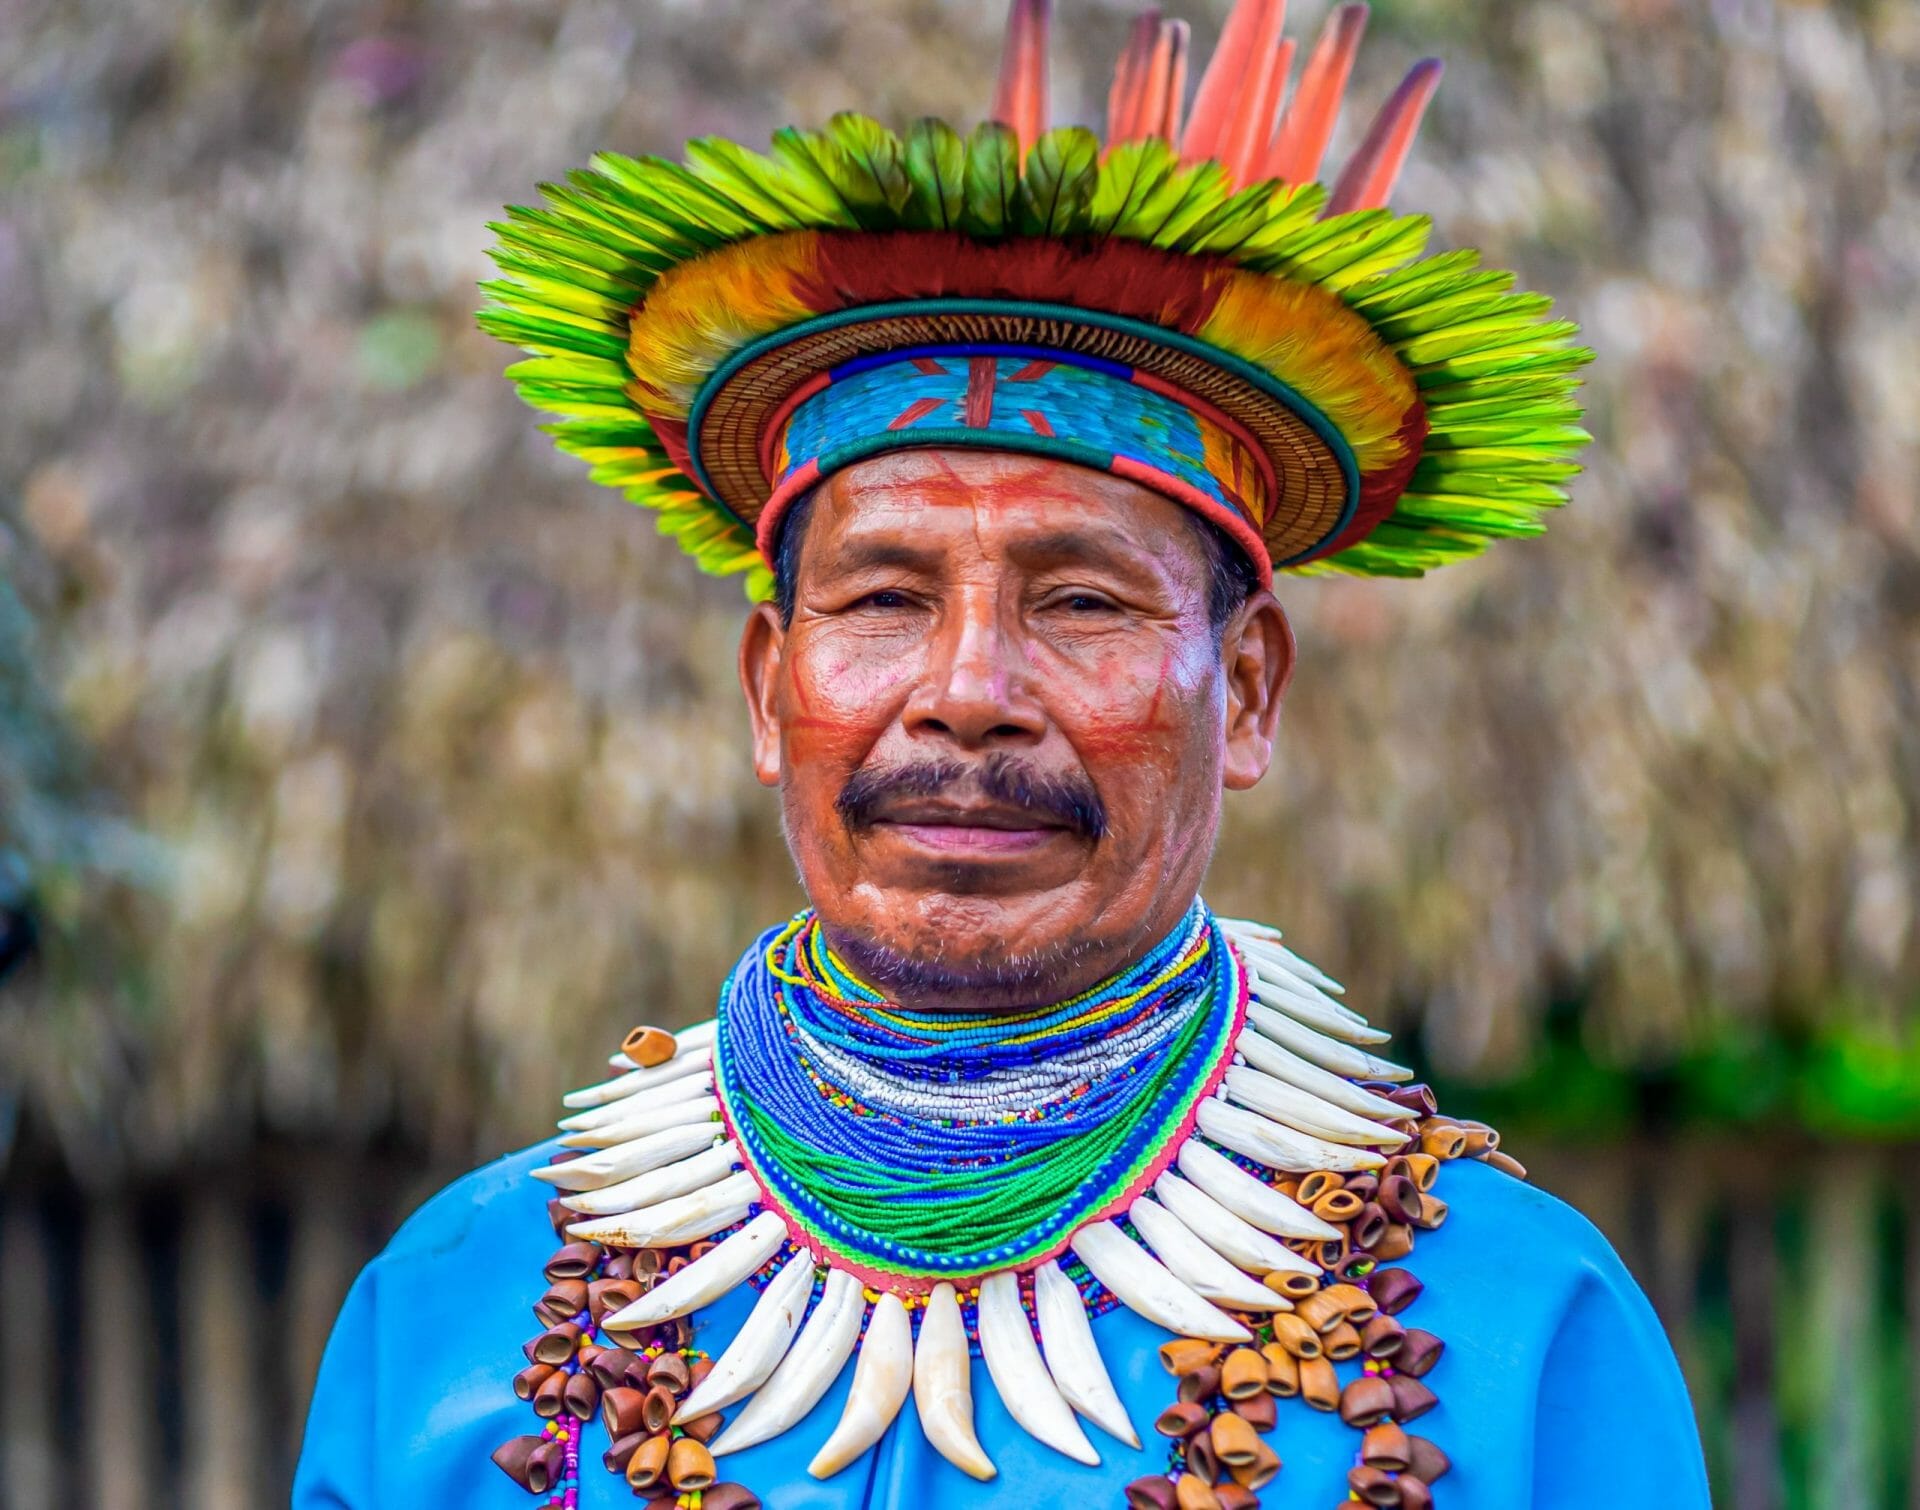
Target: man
[(1008, 1137)]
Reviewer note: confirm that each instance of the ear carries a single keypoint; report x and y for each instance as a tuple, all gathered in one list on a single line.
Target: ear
[(1258, 652), (761, 645)]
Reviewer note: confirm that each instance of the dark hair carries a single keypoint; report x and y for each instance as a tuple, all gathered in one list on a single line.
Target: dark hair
[(1231, 578)]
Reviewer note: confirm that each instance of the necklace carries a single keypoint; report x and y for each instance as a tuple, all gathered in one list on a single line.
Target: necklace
[(1190, 1139), (915, 1145)]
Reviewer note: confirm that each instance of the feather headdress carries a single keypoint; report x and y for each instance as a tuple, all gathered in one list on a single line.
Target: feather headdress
[(1183, 303)]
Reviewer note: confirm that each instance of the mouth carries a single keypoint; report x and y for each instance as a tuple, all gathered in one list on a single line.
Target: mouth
[(983, 829)]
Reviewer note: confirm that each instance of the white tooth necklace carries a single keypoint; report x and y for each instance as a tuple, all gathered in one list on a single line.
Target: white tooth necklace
[(1214, 1232)]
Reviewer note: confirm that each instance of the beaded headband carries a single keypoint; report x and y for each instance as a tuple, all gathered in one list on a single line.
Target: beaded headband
[(715, 336), (1102, 415)]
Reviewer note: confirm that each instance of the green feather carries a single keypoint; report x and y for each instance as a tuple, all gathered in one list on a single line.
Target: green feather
[(547, 336), (876, 152), (1565, 438), (1498, 333), (568, 369), (1426, 281), (528, 288), (545, 238), (561, 234), (1541, 409), (762, 186), (671, 196), (1504, 364), (1175, 204), (578, 435), (1057, 188), (992, 180), (937, 171), (795, 152), (539, 267), (1131, 172), (1499, 387), (1366, 256), (593, 206), (1456, 309), (1227, 228), (1482, 519)]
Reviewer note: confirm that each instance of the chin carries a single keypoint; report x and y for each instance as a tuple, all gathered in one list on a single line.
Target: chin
[(934, 965)]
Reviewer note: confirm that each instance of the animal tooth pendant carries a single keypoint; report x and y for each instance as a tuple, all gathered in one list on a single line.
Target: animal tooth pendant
[(1253, 1201), (683, 1219), (682, 1177), (707, 1278), (1144, 1286), (1027, 1390), (812, 1364), (1189, 1257), (881, 1378), (943, 1384), (1066, 1339), (759, 1345)]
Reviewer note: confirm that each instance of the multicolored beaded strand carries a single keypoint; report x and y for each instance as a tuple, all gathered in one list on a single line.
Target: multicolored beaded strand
[(926, 1144)]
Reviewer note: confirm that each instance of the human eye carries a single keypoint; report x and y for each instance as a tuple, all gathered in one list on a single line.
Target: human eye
[(1080, 602), (881, 600)]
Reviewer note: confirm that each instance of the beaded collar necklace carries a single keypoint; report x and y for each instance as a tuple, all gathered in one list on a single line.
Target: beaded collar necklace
[(1286, 1165), (911, 1146)]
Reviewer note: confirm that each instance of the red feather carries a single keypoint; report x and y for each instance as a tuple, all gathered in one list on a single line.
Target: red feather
[(1132, 81), (1367, 180), (1170, 70), (1220, 85), (1020, 95), (1120, 277), (1301, 141), (1244, 139), (1250, 147)]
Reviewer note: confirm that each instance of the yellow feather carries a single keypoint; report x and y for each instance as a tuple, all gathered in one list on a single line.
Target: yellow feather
[(700, 313), (1308, 338)]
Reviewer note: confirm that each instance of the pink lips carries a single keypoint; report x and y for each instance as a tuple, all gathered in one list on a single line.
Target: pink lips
[(971, 838), (982, 830)]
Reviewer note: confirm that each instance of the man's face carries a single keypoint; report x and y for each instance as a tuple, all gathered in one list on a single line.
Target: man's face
[(1001, 721)]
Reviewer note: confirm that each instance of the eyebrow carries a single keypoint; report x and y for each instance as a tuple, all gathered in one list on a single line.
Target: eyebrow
[(1082, 544), (864, 553)]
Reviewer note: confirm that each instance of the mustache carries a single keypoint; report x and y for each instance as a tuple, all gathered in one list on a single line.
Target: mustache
[(1066, 798)]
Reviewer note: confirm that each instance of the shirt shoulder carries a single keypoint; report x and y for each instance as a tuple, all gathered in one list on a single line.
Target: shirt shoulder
[(476, 1210)]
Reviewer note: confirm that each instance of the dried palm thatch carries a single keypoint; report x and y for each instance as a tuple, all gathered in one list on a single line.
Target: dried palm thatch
[(446, 753)]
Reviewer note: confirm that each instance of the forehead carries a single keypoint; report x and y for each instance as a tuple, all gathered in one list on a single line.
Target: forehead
[(998, 503)]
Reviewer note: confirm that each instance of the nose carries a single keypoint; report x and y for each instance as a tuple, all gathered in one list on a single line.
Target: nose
[(978, 690)]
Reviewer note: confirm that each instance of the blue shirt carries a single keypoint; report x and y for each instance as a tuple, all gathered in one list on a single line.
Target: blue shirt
[(1557, 1389)]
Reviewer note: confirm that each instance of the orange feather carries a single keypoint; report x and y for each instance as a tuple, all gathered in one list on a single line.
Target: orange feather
[(1250, 155), (1301, 141), (1170, 69), (1020, 94), (1244, 139), (1132, 81), (1368, 178), (1220, 85)]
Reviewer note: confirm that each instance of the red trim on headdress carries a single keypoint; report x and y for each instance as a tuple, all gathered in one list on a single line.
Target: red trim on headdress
[(1380, 491), (1126, 278)]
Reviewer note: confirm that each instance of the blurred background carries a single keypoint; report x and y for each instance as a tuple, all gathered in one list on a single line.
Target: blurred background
[(365, 773)]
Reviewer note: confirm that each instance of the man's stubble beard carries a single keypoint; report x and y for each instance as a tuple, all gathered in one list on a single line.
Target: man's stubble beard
[(1007, 983), (1004, 984)]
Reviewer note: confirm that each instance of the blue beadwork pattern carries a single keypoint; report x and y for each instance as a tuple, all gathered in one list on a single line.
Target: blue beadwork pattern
[(1068, 404)]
